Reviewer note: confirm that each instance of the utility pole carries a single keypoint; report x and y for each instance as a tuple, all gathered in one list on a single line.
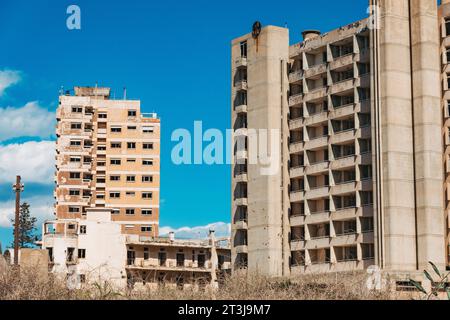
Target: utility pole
[(17, 188)]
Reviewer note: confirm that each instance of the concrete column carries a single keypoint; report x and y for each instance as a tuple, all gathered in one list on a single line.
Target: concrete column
[(428, 124), (267, 194), (394, 132)]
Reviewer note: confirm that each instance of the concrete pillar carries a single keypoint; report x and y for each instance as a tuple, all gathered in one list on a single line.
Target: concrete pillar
[(393, 136), (428, 124), (268, 201)]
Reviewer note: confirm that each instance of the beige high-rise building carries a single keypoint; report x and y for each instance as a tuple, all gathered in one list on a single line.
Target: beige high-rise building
[(363, 115), (108, 157)]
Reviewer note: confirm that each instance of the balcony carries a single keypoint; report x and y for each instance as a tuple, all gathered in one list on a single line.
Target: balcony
[(316, 70), (318, 217), (296, 124), (241, 155), (241, 202), (241, 108), (344, 188), (241, 85), (342, 86), (297, 196), (344, 162), (296, 76), (317, 143), (296, 100), (240, 62), (343, 136), (297, 172), (317, 193), (241, 249), (316, 94), (317, 118), (342, 61), (343, 111), (241, 177), (241, 225), (297, 147), (318, 167)]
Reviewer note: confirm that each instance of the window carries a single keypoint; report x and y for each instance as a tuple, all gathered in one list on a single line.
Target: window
[(74, 209), (147, 178), (447, 27), (75, 143), (147, 162), (129, 211), (75, 125), (116, 145), (77, 109), (75, 175), (146, 212), (131, 127), (146, 229), (131, 178), (132, 113), (101, 148), (101, 164), (130, 193), (116, 129), (147, 195), (131, 160), (146, 254), (147, 146), (71, 227), (115, 162), (75, 159), (367, 224), (81, 253), (180, 259), (366, 198), (114, 195), (115, 211), (82, 278), (243, 46), (147, 130), (114, 178), (131, 145), (102, 116), (100, 196), (74, 192)]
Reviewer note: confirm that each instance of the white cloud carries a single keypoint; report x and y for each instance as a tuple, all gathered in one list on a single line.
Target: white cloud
[(221, 229), (7, 79), (30, 120), (34, 161), (41, 207)]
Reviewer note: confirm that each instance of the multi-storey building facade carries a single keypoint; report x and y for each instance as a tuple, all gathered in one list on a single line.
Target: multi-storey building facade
[(108, 157), (360, 180)]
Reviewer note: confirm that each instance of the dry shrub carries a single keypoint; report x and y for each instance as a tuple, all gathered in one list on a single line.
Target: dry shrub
[(26, 285)]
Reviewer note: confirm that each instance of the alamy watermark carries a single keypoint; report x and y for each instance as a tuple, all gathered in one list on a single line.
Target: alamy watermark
[(242, 147), (73, 21)]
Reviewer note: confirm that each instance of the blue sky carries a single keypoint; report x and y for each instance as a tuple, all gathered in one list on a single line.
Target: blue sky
[(172, 55)]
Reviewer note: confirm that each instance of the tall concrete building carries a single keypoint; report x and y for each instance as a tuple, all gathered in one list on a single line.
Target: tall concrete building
[(363, 171), (107, 158)]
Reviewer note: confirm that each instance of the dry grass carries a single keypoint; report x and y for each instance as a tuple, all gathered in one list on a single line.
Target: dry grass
[(26, 285)]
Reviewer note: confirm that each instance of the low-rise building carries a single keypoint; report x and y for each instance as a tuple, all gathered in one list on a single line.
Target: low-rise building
[(94, 249)]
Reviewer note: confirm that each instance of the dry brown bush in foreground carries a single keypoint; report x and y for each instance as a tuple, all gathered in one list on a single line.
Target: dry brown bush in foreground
[(27, 285)]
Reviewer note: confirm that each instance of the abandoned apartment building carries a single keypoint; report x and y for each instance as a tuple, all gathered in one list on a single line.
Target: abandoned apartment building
[(107, 200), (364, 173)]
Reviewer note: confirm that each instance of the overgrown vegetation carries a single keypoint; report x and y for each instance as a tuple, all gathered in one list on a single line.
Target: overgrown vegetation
[(27, 285), (438, 284)]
